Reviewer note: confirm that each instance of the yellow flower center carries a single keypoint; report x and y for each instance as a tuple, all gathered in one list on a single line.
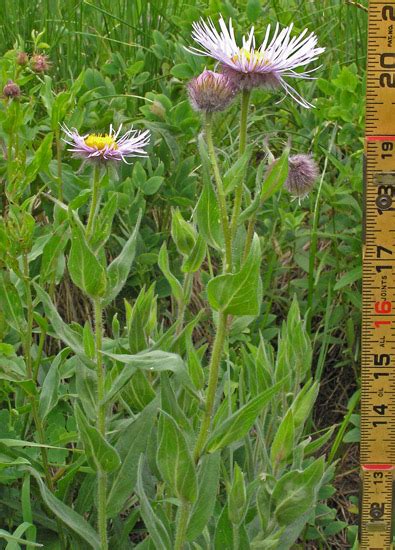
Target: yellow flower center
[(256, 56), (98, 141)]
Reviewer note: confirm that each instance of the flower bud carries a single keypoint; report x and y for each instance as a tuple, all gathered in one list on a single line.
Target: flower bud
[(302, 174), (11, 90), (22, 59), (157, 109), (183, 233), (40, 63), (211, 92)]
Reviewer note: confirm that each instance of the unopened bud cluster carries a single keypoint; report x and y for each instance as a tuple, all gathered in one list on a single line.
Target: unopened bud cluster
[(303, 172), (210, 92), (11, 90), (39, 63)]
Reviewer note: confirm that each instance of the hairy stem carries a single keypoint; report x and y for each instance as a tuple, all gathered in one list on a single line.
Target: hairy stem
[(101, 423), (59, 164), (245, 102), (182, 524), (94, 204), (215, 362), (181, 307), (236, 537), (220, 192)]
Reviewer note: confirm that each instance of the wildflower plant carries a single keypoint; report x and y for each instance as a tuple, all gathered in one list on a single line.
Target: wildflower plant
[(176, 422)]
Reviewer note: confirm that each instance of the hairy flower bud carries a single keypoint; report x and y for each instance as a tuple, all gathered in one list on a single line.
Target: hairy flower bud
[(40, 63), (211, 92), (11, 90), (22, 59), (302, 174)]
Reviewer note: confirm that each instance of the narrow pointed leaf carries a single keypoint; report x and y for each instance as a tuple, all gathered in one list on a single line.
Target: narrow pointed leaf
[(119, 268), (239, 423)]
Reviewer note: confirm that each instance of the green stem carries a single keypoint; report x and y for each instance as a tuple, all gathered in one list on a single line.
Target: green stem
[(186, 288), (101, 423), (215, 362), (182, 524), (94, 204), (249, 237), (236, 537), (314, 238), (220, 192), (245, 102), (59, 164)]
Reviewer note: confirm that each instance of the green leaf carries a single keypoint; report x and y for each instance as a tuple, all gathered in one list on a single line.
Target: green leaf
[(61, 330), (183, 233), (238, 293), (10, 304), (304, 403), (175, 285), (85, 270), (174, 460), (182, 71), (52, 251), (86, 386), (118, 270), (104, 221), (278, 173), (49, 394), (237, 171), (349, 278), (208, 218), (130, 445), (203, 508), (66, 514), (155, 526), (14, 540), (237, 497), (239, 423), (195, 259), (253, 10), (99, 453), (155, 361), (152, 185), (283, 442), (295, 492), (41, 159)]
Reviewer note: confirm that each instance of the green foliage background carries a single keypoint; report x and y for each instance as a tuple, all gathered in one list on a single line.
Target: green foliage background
[(124, 62)]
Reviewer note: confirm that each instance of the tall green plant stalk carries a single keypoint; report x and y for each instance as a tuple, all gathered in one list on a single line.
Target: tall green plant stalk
[(245, 102), (220, 192), (182, 306), (101, 422), (182, 525), (95, 203), (59, 164), (314, 238), (215, 363)]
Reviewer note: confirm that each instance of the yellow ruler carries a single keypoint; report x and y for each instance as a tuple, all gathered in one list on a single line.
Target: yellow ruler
[(378, 318)]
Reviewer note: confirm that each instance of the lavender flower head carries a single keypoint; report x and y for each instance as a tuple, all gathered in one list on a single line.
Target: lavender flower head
[(40, 63), (211, 92), (266, 66), (303, 172), (107, 147)]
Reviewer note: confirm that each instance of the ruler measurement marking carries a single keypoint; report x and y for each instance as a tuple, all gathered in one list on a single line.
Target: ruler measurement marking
[(378, 287)]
